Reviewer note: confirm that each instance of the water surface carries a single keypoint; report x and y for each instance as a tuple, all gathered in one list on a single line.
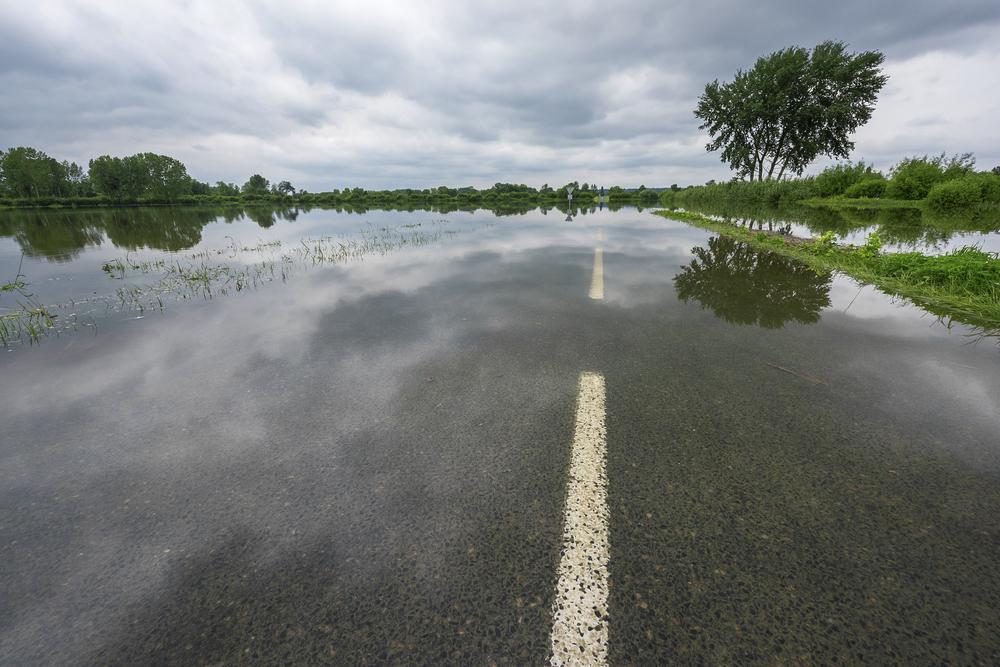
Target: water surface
[(365, 460), (900, 229)]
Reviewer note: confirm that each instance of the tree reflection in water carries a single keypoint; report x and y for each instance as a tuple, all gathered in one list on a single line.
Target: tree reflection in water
[(746, 286), (61, 234)]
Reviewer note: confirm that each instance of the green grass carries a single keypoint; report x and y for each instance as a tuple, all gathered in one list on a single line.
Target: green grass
[(963, 286), (845, 202), (26, 318)]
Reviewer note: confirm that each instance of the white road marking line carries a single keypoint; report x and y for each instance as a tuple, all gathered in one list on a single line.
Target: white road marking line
[(597, 280), (580, 608)]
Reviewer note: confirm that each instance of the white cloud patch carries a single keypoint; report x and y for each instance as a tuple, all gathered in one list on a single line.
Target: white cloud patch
[(937, 101)]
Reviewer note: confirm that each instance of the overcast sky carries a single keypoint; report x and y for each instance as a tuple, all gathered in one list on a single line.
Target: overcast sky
[(393, 94)]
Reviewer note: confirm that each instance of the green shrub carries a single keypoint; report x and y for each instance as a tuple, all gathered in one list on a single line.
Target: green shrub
[(824, 245), (989, 186), (957, 166), (961, 193), (872, 247), (836, 179), (913, 178), (869, 188)]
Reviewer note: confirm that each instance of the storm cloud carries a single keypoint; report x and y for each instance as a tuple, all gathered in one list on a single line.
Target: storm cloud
[(396, 94)]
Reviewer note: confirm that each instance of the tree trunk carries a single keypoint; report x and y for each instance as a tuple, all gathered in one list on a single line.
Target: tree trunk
[(783, 165), (777, 154)]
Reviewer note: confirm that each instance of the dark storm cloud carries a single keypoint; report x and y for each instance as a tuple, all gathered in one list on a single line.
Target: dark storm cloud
[(389, 93)]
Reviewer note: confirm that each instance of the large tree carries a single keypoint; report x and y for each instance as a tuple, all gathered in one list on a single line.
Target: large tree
[(256, 184), (791, 107), (285, 188)]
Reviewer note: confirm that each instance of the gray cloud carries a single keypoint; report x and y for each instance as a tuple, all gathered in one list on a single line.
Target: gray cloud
[(384, 94)]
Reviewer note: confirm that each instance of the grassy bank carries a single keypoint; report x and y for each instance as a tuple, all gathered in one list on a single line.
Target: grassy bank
[(963, 286), (843, 202)]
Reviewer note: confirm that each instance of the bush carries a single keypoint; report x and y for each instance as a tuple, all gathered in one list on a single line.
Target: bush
[(989, 186), (835, 180), (961, 193), (958, 166), (870, 188), (913, 178), (872, 247), (824, 245)]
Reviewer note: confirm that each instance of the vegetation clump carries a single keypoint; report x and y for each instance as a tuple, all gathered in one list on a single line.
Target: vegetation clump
[(25, 317), (913, 178), (869, 188), (837, 179), (967, 271), (959, 194)]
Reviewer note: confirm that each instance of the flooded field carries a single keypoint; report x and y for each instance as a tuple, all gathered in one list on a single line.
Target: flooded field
[(331, 437)]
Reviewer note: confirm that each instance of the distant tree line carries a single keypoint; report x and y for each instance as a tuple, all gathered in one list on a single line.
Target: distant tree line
[(29, 174), (29, 177)]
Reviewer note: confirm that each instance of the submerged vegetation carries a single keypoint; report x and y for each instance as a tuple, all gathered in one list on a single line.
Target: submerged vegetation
[(149, 284), (963, 285), (21, 316)]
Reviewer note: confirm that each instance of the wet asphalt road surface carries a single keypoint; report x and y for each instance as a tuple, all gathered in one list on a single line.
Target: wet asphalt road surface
[(368, 465)]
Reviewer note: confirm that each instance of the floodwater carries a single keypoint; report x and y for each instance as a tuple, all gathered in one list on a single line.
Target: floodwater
[(330, 437), (900, 229)]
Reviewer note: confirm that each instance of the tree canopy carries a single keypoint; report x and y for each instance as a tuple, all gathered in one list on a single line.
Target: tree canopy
[(791, 107), (256, 184), (28, 172), (143, 174)]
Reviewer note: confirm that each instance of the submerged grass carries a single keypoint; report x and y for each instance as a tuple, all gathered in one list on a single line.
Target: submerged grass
[(26, 318), (206, 279), (963, 285), (26, 321), (206, 274)]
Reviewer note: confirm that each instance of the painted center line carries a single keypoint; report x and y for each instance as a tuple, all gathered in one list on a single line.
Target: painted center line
[(580, 608), (597, 281)]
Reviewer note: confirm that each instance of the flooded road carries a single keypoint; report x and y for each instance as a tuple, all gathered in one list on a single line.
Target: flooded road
[(424, 450)]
